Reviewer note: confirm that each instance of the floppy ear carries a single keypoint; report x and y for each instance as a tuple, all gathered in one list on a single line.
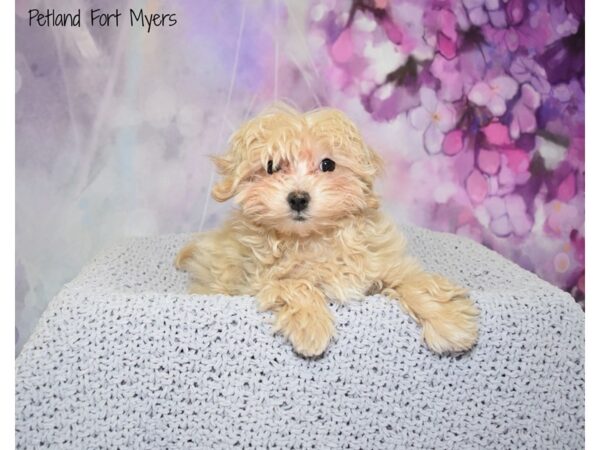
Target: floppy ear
[(233, 166), (374, 161), (247, 144), (225, 188)]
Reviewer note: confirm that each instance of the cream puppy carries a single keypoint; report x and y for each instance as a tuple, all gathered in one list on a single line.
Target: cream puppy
[(308, 230)]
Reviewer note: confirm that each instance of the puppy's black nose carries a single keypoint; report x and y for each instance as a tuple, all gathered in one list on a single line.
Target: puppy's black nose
[(298, 200)]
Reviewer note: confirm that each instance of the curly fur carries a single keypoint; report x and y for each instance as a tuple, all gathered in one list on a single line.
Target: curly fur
[(340, 248)]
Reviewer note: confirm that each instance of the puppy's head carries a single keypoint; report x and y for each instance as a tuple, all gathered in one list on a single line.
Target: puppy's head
[(298, 173)]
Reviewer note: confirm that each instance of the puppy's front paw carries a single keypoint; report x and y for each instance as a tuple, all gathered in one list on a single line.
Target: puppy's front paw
[(301, 314), (308, 332), (454, 327)]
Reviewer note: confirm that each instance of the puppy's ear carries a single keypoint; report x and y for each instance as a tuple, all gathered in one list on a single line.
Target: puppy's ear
[(237, 163), (374, 161), (246, 146), (225, 188), (375, 167), (233, 166)]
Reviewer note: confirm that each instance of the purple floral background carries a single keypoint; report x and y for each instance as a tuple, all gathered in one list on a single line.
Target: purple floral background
[(476, 105)]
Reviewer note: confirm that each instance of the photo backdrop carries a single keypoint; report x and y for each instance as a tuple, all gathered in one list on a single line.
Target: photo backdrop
[(476, 105)]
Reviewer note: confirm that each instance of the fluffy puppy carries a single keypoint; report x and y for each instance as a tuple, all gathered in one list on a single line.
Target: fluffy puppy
[(308, 230)]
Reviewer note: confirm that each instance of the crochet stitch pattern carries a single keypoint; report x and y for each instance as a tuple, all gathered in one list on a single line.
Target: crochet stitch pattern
[(124, 358)]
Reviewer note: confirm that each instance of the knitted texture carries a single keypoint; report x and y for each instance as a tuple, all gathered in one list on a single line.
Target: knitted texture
[(124, 358)]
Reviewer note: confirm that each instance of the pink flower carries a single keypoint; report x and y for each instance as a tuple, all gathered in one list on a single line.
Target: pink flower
[(441, 29), (453, 142), (567, 188), (497, 134), (478, 10), (393, 31), (457, 75), (508, 215), (451, 78), (494, 94), (488, 161), (514, 170), (526, 70), (498, 18), (385, 108), (532, 35), (516, 210), (561, 218), (342, 49), (517, 160), (477, 186), (524, 112), (433, 116), (515, 10)]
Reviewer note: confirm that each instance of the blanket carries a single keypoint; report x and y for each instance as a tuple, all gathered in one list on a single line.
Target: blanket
[(124, 358)]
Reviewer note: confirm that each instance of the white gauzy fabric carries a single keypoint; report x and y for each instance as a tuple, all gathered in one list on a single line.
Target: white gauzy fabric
[(124, 358)]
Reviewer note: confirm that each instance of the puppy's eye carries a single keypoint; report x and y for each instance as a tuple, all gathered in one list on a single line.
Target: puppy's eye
[(271, 169), (327, 165)]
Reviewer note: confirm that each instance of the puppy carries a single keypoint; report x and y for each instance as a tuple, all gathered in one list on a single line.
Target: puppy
[(308, 230)]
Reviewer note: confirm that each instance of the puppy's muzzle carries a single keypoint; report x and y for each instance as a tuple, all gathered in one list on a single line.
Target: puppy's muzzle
[(298, 200)]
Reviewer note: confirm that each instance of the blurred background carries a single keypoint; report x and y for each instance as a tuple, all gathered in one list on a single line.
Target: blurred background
[(476, 105)]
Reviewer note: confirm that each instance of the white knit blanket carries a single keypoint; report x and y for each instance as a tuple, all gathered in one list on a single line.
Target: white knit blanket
[(124, 358)]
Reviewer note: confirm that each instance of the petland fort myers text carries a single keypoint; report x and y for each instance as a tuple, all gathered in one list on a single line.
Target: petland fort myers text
[(99, 18)]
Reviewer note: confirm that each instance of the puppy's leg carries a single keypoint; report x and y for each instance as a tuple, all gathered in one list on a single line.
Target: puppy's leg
[(216, 264), (184, 255), (192, 259), (301, 314), (444, 310)]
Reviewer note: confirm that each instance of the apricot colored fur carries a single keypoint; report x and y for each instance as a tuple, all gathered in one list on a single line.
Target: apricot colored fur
[(341, 248)]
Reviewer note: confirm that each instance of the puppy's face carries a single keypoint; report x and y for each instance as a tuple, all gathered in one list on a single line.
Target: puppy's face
[(298, 173)]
